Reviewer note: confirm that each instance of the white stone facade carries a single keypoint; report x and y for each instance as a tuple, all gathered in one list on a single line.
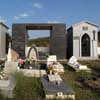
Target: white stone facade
[(75, 35), (3, 31)]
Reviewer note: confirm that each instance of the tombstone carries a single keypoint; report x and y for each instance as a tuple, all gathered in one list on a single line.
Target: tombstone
[(77, 66), (73, 60), (56, 66)]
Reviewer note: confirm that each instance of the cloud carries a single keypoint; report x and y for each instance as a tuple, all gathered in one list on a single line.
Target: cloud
[(37, 5), (2, 20), (23, 15), (54, 22)]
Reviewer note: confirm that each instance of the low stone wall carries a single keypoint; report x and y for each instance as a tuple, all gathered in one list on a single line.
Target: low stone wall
[(33, 72)]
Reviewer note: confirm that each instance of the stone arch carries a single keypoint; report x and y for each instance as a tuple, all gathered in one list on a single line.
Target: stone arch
[(85, 45), (35, 49)]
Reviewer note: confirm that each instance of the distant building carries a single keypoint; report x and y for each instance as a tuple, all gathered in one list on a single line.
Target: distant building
[(3, 31), (82, 40)]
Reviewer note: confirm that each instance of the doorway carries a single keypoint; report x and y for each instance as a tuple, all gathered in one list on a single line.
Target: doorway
[(85, 44)]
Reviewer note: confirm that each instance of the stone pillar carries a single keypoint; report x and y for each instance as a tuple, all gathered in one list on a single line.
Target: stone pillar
[(19, 39), (58, 41)]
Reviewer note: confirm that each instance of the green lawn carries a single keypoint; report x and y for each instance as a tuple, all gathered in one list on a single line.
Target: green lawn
[(31, 88)]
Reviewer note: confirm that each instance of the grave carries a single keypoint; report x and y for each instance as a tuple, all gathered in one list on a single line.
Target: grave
[(55, 89), (76, 65), (53, 64)]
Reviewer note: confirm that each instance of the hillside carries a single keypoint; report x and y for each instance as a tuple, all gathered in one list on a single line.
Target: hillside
[(39, 42), (44, 41)]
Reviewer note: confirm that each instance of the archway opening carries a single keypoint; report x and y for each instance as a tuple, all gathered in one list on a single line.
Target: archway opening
[(85, 45), (40, 39)]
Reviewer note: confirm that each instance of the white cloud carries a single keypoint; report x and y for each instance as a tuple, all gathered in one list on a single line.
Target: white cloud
[(2, 20), (37, 5), (54, 22), (23, 15)]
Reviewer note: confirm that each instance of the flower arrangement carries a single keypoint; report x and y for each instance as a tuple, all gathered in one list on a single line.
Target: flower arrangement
[(3, 76), (21, 63), (51, 68)]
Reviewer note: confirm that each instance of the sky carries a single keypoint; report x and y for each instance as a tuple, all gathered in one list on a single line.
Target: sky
[(49, 11)]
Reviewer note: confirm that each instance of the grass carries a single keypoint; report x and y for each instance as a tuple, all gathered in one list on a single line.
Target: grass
[(82, 93), (28, 88)]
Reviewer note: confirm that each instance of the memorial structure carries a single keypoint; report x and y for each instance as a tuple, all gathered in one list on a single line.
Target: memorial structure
[(57, 38), (82, 41)]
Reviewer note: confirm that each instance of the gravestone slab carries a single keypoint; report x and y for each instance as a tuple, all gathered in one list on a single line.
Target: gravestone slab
[(54, 90)]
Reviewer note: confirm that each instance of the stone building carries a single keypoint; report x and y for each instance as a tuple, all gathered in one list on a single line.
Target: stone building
[(99, 36), (3, 31), (82, 40)]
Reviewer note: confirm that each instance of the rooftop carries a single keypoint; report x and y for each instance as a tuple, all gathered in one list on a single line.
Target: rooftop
[(3, 24)]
